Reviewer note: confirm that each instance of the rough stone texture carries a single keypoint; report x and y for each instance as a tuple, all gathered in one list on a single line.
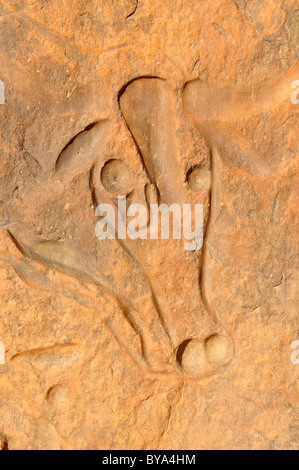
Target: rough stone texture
[(142, 345)]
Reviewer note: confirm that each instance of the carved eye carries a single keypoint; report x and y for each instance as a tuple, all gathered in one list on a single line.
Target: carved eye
[(199, 178), (116, 178)]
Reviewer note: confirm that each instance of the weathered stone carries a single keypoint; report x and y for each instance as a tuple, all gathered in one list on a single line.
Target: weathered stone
[(140, 344)]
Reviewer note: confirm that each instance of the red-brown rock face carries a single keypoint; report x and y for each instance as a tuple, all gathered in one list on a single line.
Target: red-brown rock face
[(168, 342)]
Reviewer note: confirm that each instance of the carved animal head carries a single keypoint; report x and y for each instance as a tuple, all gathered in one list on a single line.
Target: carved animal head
[(188, 341)]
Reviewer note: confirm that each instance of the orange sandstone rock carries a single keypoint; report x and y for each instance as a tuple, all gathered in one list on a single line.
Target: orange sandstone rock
[(140, 344)]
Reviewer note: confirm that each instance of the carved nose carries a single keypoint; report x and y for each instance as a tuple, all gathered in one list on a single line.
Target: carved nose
[(201, 358)]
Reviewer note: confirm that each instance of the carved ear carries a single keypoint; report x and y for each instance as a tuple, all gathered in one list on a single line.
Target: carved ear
[(216, 113), (236, 151), (82, 151), (148, 107)]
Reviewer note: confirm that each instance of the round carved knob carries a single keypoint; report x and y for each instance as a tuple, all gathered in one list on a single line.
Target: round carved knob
[(201, 358), (219, 350), (116, 178), (199, 178), (193, 360)]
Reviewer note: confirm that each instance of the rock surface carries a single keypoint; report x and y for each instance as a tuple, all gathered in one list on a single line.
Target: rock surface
[(140, 344)]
